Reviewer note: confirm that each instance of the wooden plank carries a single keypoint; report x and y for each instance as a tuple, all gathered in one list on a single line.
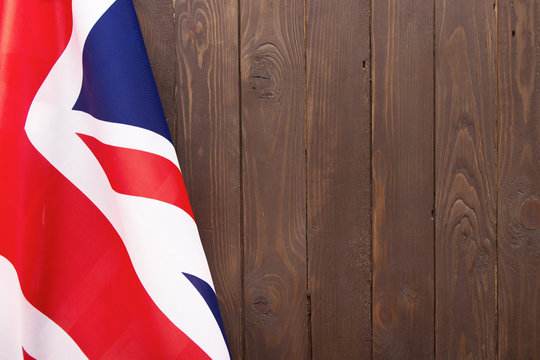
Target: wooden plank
[(466, 188), (339, 178), (403, 151), (208, 144), (156, 18), (273, 148), (519, 179)]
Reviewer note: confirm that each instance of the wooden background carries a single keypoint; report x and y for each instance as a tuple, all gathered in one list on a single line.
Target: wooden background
[(365, 175)]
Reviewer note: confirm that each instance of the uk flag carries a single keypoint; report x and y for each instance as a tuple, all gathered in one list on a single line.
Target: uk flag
[(100, 256)]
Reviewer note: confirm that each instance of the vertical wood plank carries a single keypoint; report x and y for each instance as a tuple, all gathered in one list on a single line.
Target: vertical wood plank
[(466, 189), (403, 150), (519, 179), (339, 178), (156, 18), (273, 148), (209, 144)]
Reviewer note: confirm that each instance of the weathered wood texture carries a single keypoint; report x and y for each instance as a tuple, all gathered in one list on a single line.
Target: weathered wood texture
[(365, 175), (403, 229), (466, 180), (338, 178), (208, 135), (273, 167), (519, 179)]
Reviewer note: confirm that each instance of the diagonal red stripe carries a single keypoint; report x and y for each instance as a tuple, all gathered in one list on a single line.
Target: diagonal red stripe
[(26, 356), (71, 263), (140, 173)]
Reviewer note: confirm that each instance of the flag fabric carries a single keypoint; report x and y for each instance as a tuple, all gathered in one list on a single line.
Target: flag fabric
[(100, 257)]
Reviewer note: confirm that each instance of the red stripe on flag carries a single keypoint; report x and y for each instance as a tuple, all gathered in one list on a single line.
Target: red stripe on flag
[(140, 173), (26, 356), (71, 263), (79, 273)]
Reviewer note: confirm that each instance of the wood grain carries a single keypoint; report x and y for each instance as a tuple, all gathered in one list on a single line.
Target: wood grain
[(403, 151), (273, 148), (286, 159), (156, 18), (519, 179), (339, 178), (209, 144), (466, 187)]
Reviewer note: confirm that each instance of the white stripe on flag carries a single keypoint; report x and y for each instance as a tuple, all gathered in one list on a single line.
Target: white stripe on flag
[(161, 239), (23, 326)]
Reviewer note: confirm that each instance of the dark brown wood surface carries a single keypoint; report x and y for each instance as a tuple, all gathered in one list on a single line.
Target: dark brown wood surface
[(365, 175), (338, 178), (274, 185), (466, 186), (208, 135), (403, 237), (519, 179)]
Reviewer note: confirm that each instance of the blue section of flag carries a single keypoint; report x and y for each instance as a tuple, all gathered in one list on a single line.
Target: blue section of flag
[(118, 85), (210, 297)]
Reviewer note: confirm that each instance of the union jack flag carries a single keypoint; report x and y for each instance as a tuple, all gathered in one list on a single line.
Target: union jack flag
[(100, 257)]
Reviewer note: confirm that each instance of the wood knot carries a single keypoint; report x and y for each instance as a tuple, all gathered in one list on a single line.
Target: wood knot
[(464, 121), (193, 26), (261, 305), (261, 311), (410, 295), (481, 259), (466, 228), (261, 79), (530, 213), (193, 32)]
